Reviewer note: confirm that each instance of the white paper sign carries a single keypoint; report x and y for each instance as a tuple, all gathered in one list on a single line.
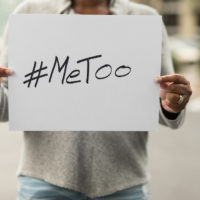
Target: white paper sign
[(84, 73)]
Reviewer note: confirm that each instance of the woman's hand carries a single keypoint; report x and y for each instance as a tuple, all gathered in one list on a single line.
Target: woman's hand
[(175, 92), (4, 72)]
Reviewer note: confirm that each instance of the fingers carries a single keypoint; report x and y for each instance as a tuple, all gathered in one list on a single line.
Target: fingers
[(182, 88), (169, 109), (171, 87), (172, 99), (172, 102), (175, 78), (179, 89), (5, 72), (164, 85)]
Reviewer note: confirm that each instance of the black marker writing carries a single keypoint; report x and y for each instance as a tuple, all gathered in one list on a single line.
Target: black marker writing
[(122, 68), (88, 65), (102, 67), (73, 76), (64, 65), (35, 71)]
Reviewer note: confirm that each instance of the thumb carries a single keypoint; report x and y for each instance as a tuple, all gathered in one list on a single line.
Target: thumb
[(164, 85)]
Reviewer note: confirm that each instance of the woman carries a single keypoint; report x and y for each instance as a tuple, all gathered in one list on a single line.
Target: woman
[(92, 165)]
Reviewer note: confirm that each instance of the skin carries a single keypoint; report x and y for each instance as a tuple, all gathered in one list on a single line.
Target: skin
[(95, 7), (171, 86)]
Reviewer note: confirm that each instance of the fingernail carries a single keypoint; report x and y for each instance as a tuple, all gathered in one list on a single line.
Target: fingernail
[(157, 79), (9, 71)]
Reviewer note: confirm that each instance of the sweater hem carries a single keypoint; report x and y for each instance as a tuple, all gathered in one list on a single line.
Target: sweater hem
[(73, 187)]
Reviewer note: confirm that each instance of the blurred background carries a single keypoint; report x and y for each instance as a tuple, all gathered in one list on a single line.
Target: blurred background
[(174, 155)]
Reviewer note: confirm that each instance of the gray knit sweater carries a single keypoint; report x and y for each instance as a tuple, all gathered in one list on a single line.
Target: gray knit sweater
[(94, 163)]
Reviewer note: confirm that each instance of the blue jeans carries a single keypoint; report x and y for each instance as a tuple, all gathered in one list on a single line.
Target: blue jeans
[(35, 189)]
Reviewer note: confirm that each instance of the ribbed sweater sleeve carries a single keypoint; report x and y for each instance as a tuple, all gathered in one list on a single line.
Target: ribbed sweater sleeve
[(167, 68), (4, 84)]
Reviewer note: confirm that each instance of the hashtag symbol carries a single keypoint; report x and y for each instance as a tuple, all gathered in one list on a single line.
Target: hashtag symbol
[(35, 71)]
